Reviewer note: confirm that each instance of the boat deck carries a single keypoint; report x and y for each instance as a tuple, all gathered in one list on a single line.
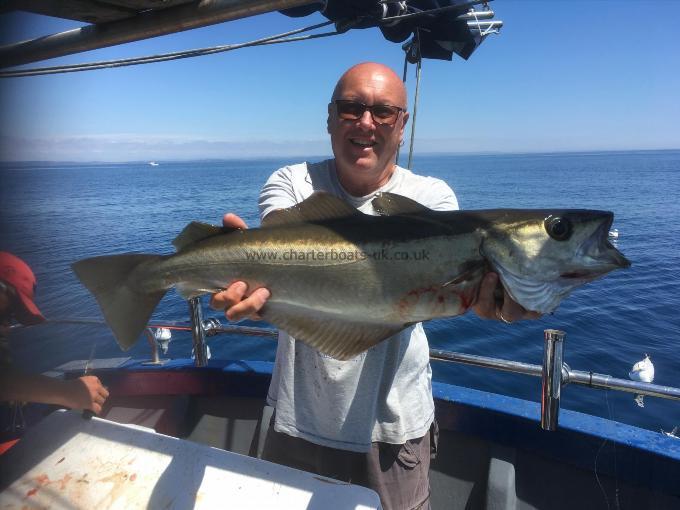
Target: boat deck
[(492, 452)]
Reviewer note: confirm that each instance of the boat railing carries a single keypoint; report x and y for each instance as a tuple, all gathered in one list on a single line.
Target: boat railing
[(554, 372)]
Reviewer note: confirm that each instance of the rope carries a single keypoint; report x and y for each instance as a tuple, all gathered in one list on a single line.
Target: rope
[(415, 100), (273, 39), (403, 79)]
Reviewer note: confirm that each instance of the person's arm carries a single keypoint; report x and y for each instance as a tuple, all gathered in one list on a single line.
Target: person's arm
[(86, 392)]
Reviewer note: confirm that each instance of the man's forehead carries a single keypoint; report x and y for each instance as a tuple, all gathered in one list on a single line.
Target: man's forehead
[(370, 82)]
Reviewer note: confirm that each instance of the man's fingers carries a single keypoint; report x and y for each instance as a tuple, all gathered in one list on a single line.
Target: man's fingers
[(511, 310), (485, 306), (238, 303), (229, 297), (250, 306), (230, 220)]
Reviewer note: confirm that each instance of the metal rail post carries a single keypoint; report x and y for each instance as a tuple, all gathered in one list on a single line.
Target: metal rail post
[(551, 378), (197, 332)]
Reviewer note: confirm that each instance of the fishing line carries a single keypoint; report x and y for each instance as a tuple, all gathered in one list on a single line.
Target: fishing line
[(616, 475), (88, 414)]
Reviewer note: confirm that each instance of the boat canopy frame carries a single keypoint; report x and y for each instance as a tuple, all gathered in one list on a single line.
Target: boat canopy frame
[(449, 26)]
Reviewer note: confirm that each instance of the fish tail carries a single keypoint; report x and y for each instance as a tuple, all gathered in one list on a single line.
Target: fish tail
[(111, 279)]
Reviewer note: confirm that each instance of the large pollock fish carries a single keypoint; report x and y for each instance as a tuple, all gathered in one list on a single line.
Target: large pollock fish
[(343, 281)]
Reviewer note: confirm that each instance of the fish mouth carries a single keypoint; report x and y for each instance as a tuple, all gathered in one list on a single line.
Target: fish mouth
[(600, 252), (583, 275)]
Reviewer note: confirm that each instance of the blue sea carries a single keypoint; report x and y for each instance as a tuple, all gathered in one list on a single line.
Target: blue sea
[(55, 214)]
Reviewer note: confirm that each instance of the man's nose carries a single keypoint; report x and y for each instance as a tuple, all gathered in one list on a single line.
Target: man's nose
[(366, 120)]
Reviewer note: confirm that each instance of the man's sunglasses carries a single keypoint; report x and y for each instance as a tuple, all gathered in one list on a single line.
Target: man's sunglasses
[(381, 113)]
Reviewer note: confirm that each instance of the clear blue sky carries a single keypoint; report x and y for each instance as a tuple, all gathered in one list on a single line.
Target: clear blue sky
[(562, 75)]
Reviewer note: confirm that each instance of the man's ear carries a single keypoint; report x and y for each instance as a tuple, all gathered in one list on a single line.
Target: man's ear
[(403, 123), (328, 119)]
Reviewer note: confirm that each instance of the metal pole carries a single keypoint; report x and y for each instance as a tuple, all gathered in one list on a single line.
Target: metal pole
[(601, 381), (569, 376), (577, 377), (552, 378), (152, 23), (473, 16), (197, 333), (516, 367), (174, 325)]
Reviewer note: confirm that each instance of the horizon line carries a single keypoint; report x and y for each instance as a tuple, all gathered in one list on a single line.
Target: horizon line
[(317, 156)]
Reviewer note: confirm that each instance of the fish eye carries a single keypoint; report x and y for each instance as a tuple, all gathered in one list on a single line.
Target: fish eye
[(559, 229)]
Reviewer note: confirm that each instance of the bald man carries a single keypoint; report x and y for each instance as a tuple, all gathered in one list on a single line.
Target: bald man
[(369, 420)]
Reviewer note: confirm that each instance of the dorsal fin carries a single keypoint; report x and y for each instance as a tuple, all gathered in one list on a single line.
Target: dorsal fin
[(197, 231), (318, 207), (390, 204)]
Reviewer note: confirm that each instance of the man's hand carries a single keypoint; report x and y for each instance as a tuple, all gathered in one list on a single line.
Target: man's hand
[(487, 307), (86, 392), (236, 301)]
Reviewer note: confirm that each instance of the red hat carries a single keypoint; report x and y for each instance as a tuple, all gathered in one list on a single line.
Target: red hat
[(15, 272)]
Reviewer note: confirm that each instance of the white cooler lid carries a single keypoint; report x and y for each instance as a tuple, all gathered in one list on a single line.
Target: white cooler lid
[(69, 462)]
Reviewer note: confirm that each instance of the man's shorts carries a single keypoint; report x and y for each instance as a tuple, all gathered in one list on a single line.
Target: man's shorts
[(399, 473)]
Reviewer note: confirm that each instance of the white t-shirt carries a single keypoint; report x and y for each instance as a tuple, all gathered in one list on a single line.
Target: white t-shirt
[(385, 393)]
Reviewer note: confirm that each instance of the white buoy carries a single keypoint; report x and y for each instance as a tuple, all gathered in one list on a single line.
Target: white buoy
[(163, 337), (643, 370), (163, 334)]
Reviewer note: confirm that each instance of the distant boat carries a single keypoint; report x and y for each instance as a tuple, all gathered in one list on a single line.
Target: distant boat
[(153, 163)]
